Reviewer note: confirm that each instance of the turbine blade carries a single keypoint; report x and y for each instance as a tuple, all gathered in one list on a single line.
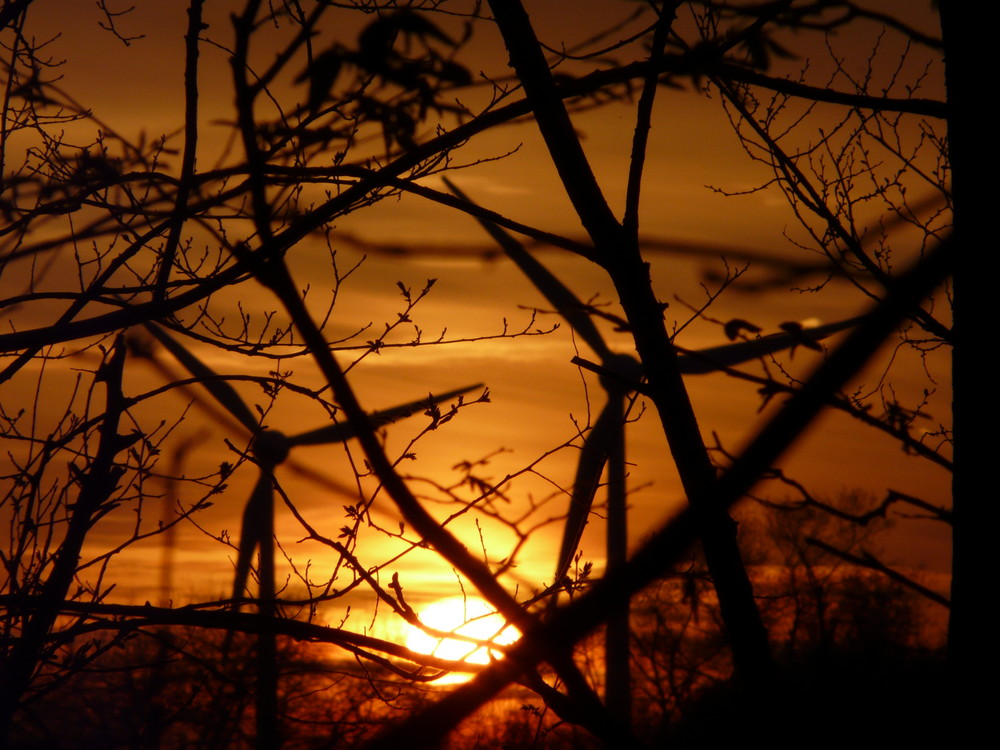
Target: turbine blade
[(593, 456), (705, 361), (338, 433), (565, 302), (223, 392)]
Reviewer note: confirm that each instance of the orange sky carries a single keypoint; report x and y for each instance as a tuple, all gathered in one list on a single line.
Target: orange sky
[(535, 393)]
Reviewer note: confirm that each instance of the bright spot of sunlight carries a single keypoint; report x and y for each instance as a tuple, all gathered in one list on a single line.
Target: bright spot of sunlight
[(468, 616)]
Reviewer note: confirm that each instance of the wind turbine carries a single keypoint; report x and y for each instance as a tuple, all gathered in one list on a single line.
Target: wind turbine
[(621, 374), (270, 448)]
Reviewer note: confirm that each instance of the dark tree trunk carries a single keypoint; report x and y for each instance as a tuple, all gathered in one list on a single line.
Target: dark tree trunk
[(630, 274), (971, 648)]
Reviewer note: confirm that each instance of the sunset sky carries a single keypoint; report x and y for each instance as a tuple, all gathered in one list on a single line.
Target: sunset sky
[(537, 398)]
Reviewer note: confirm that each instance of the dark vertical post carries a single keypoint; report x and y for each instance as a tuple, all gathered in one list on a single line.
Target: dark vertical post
[(618, 679)]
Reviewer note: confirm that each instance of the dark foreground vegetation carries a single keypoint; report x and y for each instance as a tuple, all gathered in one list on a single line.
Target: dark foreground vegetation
[(859, 660)]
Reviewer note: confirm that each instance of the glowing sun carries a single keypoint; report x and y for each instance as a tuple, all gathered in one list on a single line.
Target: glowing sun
[(469, 616)]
